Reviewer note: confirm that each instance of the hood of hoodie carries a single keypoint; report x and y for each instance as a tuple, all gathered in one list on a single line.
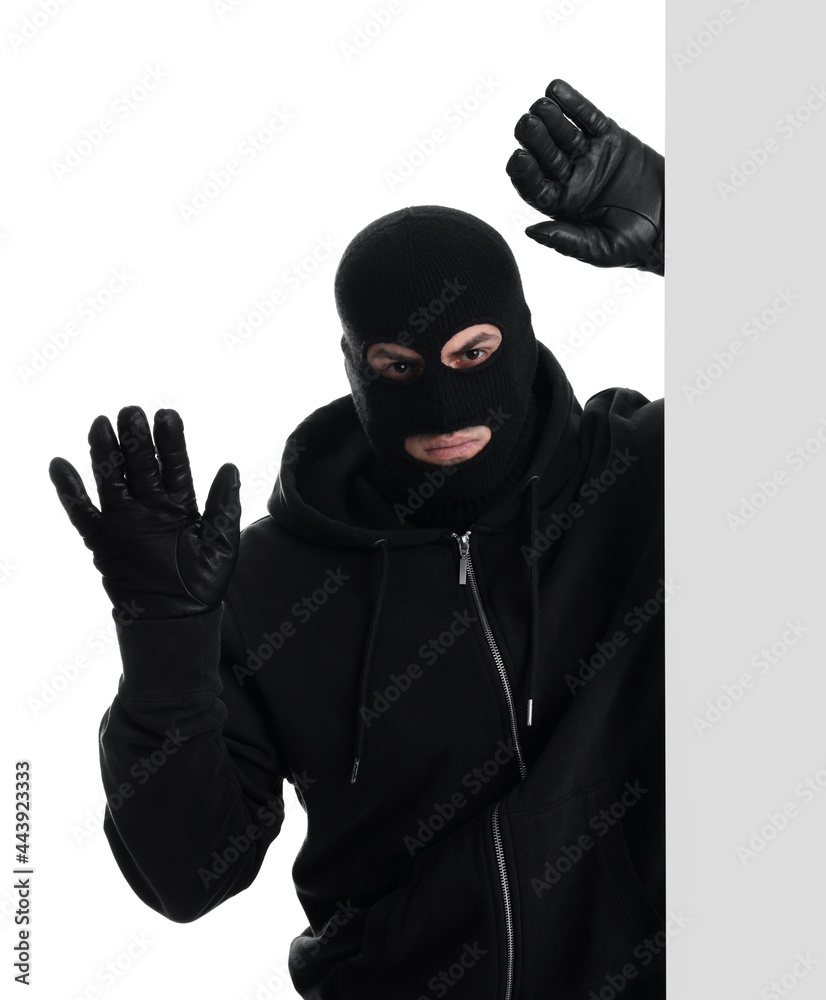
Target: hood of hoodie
[(323, 495), (324, 490)]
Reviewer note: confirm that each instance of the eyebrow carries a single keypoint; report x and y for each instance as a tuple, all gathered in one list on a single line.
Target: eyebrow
[(475, 340), (389, 354)]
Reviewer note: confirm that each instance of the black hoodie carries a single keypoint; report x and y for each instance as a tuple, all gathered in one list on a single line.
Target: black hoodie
[(388, 673)]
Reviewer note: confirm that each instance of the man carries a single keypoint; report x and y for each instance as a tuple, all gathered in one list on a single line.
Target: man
[(446, 633)]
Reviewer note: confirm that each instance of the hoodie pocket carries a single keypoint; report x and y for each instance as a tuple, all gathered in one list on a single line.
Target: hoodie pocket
[(582, 917), (440, 933)]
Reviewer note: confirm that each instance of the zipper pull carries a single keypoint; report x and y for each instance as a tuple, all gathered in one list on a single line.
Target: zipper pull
[(464, 545)]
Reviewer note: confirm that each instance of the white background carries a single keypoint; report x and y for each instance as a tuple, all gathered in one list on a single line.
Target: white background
[(353, 117)]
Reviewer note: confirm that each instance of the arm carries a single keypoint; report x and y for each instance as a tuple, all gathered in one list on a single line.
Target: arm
[(601, 185), (193, 783), (193, 789)]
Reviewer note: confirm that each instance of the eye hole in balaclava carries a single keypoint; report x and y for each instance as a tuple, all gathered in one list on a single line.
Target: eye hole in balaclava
[(416, 277)]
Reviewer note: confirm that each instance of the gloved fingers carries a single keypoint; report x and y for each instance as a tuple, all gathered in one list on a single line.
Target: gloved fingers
[(533, 186), (564, 133), (533, 134), (73, 496), (107, 464), (586, 243), (176, 475), (221, 523), (142, 473), (578, 108)]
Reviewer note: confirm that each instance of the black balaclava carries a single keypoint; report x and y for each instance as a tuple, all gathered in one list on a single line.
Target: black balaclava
[(416, 277)]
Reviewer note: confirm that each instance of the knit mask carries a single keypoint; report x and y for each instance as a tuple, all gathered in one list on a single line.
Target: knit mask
[(416, 277)]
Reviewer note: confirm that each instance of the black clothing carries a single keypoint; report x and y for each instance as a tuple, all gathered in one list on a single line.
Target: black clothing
[(389, 674), (416, 277)]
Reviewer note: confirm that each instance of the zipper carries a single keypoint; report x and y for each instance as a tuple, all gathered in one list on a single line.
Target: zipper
[(466, 574), (506, 898)]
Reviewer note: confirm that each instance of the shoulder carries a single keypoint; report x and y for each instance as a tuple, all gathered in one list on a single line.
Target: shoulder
[(629, 415)]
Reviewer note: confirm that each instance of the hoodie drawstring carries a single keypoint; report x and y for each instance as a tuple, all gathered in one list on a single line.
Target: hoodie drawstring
[(534, 483), (368, 656), (379, 606)]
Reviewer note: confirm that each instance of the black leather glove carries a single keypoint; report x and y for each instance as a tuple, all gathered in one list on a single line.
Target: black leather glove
[(158, 556), (602, 185)]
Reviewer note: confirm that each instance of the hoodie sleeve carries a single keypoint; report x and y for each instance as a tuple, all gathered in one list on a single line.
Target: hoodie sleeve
[(193, 786)]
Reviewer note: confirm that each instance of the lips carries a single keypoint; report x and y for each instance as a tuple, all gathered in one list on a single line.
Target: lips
[(452, 445)]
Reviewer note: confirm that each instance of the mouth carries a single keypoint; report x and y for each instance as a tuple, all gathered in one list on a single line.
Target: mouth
[(452, 446), (447, 449)]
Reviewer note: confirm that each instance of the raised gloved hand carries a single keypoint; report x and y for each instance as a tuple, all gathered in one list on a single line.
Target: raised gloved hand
[(158, 556), (601, 184)]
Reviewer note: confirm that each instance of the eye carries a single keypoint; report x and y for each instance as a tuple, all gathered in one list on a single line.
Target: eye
[(470, 357), (400, 369), (392, 361)]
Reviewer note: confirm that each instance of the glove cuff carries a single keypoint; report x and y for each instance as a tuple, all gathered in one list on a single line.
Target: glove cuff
[(170, 659), (655, 262)]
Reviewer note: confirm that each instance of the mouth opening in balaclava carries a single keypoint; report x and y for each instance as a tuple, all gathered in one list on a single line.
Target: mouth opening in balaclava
[(416, 277)]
